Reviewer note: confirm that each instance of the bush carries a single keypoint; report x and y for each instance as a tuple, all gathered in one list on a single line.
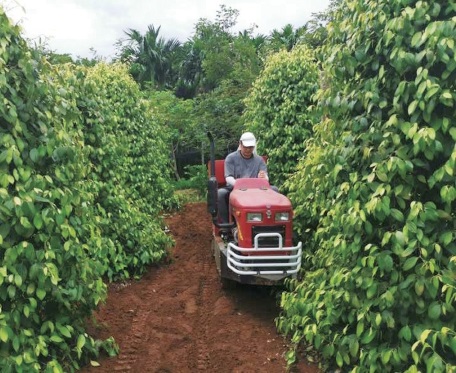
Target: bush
[(375, 195), (83, 178), (130, 170), (195, 178), (48, 283), (277, 110)]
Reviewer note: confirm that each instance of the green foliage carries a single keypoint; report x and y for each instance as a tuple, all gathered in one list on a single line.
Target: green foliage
[(177, 118), (48, 283), (84, 176), (195, 178), (286, 39), (153, 60), (277, 109), (316, 31), (221, 112), (214, 41), (215, 55), (130, 170), (375, 194)]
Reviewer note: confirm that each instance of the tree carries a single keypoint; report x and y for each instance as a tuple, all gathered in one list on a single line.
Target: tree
[(190, 71), (316, 30), (213, 41), (220, 111), (229, 64), (153, 60), (286, 38)]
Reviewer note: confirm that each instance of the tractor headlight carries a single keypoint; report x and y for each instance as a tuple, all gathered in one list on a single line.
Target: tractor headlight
[(254, 216), (282, 216)]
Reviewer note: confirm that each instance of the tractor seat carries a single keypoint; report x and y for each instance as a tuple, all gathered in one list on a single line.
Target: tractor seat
[(220, 171)]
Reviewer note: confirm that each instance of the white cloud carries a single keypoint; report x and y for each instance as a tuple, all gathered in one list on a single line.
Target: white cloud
[(75, 26)]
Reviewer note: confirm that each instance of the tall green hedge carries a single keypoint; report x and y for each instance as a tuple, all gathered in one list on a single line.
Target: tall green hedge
[(131, 169), (278, 109), (375, 195), (48, 283), (84, 175)]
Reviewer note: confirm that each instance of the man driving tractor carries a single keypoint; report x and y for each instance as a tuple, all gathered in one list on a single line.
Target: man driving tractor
[(242, 163)]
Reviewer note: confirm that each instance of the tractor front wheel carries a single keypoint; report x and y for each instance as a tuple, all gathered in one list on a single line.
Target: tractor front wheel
[(228, 284)]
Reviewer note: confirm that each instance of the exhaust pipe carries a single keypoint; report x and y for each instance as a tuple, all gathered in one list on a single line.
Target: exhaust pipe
[(212, 186)]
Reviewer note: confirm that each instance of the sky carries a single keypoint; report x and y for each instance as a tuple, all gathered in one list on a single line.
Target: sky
[(79, 27)]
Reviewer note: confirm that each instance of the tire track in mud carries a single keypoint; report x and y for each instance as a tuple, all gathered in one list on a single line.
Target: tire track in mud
[(205, 307), (200, 354), (128, 356)]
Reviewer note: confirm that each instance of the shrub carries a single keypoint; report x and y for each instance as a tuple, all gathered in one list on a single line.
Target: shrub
[(130, 170), (83, 178), (195, 178), (277, 109), (48, 283), (375, 195)]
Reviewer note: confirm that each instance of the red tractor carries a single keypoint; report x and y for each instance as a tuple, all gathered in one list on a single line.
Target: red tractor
[(255, 246)]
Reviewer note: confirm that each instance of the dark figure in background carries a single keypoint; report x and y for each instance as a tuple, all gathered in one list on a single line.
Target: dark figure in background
[(244, 162)]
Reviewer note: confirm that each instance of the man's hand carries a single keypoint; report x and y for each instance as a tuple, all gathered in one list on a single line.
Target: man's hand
[(262, 174)]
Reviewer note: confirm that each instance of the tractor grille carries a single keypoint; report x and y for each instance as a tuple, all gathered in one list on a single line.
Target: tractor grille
[(268, 241)]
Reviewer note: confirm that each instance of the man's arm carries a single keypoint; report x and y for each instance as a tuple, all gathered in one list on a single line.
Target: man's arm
[(229, 170), (263, 173)]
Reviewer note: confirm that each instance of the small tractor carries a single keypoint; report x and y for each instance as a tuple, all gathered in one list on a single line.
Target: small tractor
[(256, 245)]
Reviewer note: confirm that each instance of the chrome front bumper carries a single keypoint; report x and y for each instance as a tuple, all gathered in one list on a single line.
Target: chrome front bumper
[(284, 261)]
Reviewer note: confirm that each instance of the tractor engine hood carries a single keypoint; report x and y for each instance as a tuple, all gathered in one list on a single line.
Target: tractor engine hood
[(256, 194)]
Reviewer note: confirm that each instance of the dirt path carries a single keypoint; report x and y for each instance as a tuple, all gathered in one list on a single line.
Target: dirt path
[(177, 318)]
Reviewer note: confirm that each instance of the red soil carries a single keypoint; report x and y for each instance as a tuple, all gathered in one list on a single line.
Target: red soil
[(178, 318)]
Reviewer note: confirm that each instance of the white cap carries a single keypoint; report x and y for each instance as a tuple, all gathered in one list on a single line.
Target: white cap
[(248, 139)]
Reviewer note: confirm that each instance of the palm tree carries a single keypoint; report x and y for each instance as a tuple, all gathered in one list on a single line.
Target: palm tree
[(151, 57), (287, 38), (191, 71)]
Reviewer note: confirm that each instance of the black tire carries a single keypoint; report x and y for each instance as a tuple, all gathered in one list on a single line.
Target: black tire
[(228, 284)]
